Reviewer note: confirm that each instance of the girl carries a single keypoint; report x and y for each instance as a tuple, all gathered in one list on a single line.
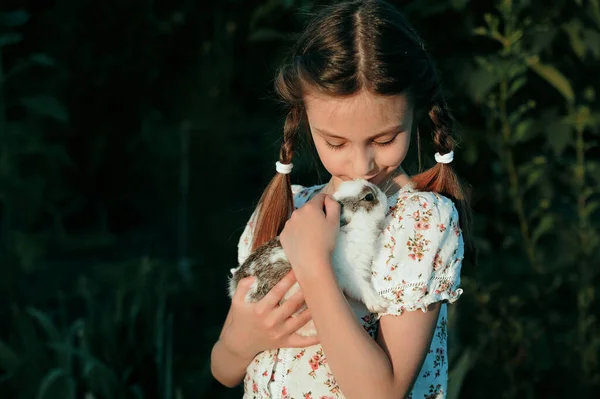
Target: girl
[(359, 81)]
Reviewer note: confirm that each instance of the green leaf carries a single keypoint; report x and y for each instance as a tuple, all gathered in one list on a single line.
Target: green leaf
[(573, 29), (515, 85), (593, 167), (9, 360), (517, 115), (559, 135), (90, 362), (484, 63), (524, 131), (589, 93), (554, 77), (533, 177), (42, 59), (545, 225), (14, 18), (7, 39), (558, 132), (46, 324), (541, 40), (480, 82), (480, 31), (591, 38), (28, 334), (46, 105), (48, 380), (594, 11), (590, 209)]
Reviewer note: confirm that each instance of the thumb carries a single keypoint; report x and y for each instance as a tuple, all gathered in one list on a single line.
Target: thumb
[(299, 341)]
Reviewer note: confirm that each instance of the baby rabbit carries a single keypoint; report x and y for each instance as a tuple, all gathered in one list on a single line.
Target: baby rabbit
[(363, 210)]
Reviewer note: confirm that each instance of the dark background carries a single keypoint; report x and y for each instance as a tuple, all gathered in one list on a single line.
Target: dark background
[(136, 137)]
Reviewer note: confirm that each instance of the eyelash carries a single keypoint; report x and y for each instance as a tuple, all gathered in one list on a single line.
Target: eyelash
[(339, 147)]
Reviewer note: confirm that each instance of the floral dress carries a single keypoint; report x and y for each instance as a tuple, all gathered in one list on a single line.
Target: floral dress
[(418, 263)]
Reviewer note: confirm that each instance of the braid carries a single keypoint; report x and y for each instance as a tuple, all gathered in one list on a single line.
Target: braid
[(290, 128), (441, 178), (443, 123), (277, 201)]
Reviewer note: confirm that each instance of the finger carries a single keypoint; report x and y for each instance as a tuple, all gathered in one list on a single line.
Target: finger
[(278, 291), (294, 323), (242, 288), (299, 341), (318, 199), (332, 210), (290, 306)]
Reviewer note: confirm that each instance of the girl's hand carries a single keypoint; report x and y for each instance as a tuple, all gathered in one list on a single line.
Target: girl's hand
[(251, 328), (309, 236)]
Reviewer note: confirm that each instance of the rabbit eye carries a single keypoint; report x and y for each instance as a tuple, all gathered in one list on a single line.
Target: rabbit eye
[(369, 197)]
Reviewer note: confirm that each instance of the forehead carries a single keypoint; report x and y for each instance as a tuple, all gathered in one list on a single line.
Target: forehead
[(360, 114)]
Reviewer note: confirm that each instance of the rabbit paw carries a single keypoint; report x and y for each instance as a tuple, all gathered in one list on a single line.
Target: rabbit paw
[(376, 304)]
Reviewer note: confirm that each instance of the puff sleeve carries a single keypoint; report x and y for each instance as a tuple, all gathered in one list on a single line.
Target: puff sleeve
[(245, 241), (421, 255)]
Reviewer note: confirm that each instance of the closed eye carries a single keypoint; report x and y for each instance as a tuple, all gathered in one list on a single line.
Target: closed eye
[(377, 143), (333, 146), (386, 143)]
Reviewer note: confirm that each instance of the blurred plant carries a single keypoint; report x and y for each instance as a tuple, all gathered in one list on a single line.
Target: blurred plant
[(121, 345), (524, 89), (30, 166), (543, 172)]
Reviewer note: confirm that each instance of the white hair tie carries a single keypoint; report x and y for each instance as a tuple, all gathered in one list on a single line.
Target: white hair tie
[(446, 158), (283, 168)]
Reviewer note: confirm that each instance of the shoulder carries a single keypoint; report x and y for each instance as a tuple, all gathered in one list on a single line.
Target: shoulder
[(422, 210)]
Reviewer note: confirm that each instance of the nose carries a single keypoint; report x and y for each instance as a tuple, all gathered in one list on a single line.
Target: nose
[(363, 162)]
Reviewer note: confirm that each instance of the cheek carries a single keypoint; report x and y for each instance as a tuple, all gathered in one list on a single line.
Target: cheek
[(332, 161), (394, 155)]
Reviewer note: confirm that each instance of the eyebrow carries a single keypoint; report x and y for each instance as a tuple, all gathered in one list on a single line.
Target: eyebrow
[(393, 129)]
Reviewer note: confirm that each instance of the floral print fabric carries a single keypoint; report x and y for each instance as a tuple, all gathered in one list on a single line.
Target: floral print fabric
[(418, 264)]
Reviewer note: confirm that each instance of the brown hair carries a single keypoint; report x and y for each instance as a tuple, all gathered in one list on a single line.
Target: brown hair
[(347, 47)]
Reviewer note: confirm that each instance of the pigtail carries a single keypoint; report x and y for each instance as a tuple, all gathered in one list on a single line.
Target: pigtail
[(277, 201), (441, 178)]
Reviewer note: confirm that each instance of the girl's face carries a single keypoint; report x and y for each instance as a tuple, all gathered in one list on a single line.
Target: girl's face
[(362, 136)]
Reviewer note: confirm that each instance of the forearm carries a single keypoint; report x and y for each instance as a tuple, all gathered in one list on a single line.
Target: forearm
[(360, 366), (228, 368)]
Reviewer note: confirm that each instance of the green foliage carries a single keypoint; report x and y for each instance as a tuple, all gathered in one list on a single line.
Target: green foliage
[(537, 276), (96, 100)]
